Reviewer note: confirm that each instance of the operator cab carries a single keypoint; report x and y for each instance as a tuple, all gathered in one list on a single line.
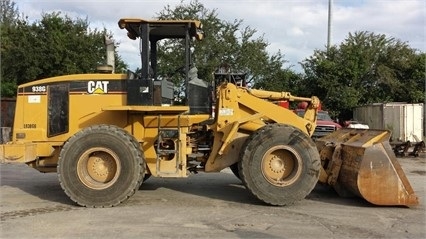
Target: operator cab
[(147, 87)]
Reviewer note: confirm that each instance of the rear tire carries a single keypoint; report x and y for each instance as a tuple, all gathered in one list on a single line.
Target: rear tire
[(279, 165), (101, 166)]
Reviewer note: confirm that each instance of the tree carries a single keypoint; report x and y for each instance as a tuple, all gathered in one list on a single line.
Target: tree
[(8, 20), (55, 45), (228, 43), (9, 13), (365, 68)]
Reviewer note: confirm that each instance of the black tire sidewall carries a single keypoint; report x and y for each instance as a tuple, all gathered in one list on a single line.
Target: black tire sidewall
[(111, 138), (251, 164)]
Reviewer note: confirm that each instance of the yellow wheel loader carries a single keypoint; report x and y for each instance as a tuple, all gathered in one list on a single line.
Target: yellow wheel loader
[(105, 133)]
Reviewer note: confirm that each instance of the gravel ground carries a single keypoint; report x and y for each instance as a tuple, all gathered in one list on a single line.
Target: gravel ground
[(216, 205)]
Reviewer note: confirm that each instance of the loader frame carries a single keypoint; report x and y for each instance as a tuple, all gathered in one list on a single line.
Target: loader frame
[(104, 134)]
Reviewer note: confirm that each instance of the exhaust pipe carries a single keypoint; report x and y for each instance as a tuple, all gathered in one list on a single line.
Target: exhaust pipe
[(110, 57), (110, 49)]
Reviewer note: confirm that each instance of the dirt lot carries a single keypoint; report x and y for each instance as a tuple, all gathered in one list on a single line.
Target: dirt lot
[(33, 205)]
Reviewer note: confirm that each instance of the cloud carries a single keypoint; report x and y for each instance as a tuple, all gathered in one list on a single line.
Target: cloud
[(296, 27)]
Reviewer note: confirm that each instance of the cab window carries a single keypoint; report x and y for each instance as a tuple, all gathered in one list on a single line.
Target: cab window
[(58, 111)]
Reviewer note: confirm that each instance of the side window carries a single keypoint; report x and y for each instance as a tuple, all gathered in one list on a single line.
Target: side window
[(58, 111)]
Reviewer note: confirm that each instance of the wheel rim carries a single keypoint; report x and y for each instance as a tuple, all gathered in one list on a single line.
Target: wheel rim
[(98, 168), (281, 165)]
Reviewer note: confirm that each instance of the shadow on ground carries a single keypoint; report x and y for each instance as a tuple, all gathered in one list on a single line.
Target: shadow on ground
[(218, 186)]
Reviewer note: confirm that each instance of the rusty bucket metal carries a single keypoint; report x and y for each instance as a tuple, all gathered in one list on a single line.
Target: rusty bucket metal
[(362, 163)]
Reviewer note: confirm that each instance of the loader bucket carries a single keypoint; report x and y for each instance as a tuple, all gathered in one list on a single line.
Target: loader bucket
[(362, 163)]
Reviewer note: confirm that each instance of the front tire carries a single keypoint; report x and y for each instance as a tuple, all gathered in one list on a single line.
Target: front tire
[(279, 165), (101, 166)]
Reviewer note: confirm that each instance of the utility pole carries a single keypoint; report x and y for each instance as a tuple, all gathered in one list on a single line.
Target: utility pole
[(330, 4)]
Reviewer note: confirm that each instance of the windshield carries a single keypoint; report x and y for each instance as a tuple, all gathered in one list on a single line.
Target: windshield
[(322, 115)]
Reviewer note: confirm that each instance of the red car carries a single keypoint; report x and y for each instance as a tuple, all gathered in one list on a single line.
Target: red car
[(325, 124)]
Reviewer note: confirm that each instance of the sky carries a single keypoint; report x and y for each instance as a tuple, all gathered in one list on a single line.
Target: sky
[(295, 27)]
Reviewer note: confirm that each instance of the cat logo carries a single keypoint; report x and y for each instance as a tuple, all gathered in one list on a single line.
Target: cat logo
[(97, 87)]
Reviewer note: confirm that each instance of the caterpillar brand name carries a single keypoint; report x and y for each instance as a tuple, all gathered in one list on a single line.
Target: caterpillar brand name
[(97, 87)]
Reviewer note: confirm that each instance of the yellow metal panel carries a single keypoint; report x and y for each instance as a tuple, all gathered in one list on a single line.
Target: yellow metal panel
[(44, 149), (58, 79), (85, 109), (276, 113), (135, 127), (149, 149), (31, 117), (18, 121), (141, 108), (230, 156), (174, 120), (166, 167), (38, 134), (18, 153)]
